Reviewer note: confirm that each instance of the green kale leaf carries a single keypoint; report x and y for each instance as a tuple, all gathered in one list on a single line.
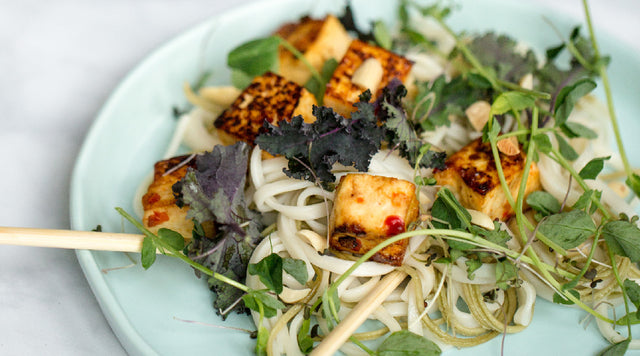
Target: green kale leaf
[(499, 53)]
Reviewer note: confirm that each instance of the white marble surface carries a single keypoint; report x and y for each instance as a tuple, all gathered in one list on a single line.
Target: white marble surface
[(58, 63)]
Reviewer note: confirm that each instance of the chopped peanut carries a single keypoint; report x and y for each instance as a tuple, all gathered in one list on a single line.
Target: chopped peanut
[(478, 114), (509, 146)]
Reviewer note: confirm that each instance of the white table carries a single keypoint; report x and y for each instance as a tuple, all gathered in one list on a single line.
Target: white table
[(58, 63)]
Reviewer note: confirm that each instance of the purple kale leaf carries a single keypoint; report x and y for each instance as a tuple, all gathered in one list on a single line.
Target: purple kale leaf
[(312, 149), (401, 132), (214, 192)]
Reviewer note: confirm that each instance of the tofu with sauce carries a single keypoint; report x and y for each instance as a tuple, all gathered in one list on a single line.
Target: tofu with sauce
[(369, 209), (364, 66), (471, 173), (269, 97), (159, 203), (317, 39)]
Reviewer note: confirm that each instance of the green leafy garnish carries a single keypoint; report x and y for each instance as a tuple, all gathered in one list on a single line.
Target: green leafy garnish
[(269, 270), (506, 274), (296, 268), (255, 57), (568, 229), (617, 349), (558, 299), (593, 168), (406, 343), (544, 203), (623, 238)]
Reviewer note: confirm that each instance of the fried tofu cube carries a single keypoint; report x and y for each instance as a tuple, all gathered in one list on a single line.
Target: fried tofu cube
[(159, 203), (369, 209), (269, 97), (342, 91), (471, 173), (317, 39)]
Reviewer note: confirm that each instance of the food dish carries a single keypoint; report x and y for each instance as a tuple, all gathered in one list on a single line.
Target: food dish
[(105, 178)]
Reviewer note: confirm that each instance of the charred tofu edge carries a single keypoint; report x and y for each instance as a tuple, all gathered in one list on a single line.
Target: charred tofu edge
[(269, 97)]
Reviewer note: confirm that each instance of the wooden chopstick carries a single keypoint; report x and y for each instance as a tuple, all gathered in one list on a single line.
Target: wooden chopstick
[(359, 314), (70, 239), (109, 241)]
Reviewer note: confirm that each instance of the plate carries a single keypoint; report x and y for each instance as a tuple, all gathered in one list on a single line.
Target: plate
[(147, 309)]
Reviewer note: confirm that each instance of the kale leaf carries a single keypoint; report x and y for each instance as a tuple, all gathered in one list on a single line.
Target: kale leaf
[(313, 148), (214, 192), (499, 52), (400, 131)]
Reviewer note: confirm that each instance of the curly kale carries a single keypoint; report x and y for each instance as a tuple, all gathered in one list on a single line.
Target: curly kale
[(312, 149), (214, 192)]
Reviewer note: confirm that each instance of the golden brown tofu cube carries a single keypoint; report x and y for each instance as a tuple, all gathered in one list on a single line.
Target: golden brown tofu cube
[(342, 92), (159, 203), (369, 209), (471, 173), (269, 97), (317, 39)]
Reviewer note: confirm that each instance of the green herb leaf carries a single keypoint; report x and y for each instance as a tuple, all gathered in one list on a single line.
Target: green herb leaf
[(543, 143), (506, 272), (574, 129), (568, 96), (496, 236), (172, 238), (296, 268), (269, 269), (436, 100), (472, 265), (623, 238), (406, 343), (382, 35), (330, 301), (255, 57), (544, 203), (568, 229), (512, 101), (451, 213), (491, 131), (270, 305), (558, 299), (318, 88), (629, 319), (633, 182), (565, 149), (585, 201), (617, 349), (593, 168), (305, 342), (148, 253), (632, 289), (240, 79)]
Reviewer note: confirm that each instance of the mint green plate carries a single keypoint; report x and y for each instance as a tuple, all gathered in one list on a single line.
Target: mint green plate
[(145, 308)]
